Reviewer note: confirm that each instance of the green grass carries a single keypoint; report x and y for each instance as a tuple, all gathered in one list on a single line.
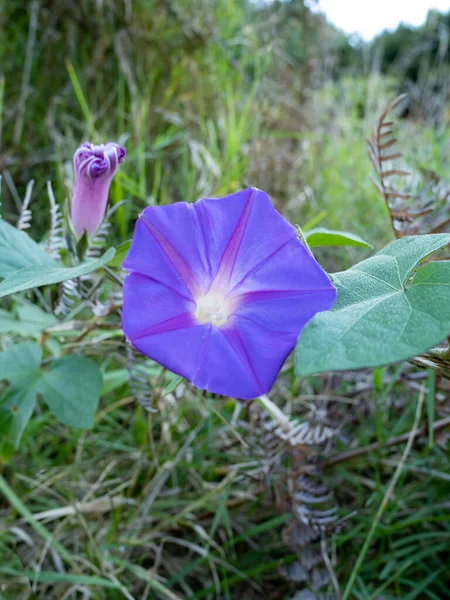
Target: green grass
[(196, 501), (187, 502)]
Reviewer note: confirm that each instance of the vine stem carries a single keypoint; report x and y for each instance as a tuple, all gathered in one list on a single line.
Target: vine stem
[(277, 414), (386, 499)]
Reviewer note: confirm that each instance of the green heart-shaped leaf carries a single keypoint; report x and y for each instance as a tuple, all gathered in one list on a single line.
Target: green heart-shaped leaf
[(71, 388), (20, 364), (382, 315)]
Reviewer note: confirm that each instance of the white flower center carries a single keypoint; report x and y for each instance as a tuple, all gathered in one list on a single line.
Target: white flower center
[(213, 308)]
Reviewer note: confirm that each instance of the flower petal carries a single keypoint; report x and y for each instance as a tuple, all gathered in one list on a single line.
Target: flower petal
[(212, 358), (259, 234), (90, 197), (289, 267), (153, 255), (284, 312), (226, 368), (160, 324), (261, 333), (141, 295), (260, 349), (195, 239)]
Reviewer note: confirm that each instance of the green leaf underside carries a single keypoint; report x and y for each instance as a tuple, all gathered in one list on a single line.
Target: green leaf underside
[(38, 276), (381, 315), (19, 251), (71, 388), (327, 237)]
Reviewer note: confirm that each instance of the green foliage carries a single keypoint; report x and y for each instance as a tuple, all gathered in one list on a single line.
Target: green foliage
[(121, 252), (185, 134), (7, 449), (24, 265), (173, 384), (20, 403), (114, 379), (407, 48), (6, 418), (178, 502), (25, 320), (70, 386), (20, 364), (326, 237), (382, 315), (39, 276), (18, 251), (82, 246)]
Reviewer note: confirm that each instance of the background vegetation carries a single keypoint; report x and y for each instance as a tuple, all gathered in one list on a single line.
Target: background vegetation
[(194, 500)]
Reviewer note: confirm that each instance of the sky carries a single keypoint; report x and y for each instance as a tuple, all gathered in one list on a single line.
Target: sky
[(370, 17)]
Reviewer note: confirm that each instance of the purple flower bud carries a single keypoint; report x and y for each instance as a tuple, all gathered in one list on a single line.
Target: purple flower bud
[(95, 167)]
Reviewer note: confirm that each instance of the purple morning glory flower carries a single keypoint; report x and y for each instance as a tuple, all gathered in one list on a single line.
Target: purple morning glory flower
[(95, 166), (219, 290)]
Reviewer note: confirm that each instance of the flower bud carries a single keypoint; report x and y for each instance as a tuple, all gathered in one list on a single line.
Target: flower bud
[(95, 167)]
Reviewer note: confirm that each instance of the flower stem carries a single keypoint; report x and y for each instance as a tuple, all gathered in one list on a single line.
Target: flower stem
[(273, 410)]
